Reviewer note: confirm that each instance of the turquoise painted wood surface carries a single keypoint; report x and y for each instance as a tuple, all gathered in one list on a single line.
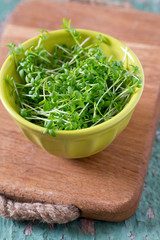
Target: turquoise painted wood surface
[(144, 225), (6, 6)]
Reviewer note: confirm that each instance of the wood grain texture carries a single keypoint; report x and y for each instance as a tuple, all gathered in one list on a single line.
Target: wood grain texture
[(108, 185)]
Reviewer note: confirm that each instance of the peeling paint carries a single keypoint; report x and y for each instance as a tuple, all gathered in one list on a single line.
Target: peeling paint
[(132, 236), (28, 230), (51, 226), (145, 186), (150, 213), (88, 226), (158, 136)]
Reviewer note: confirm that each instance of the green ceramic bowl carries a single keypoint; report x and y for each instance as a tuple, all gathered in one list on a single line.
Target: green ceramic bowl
[(72, 143)]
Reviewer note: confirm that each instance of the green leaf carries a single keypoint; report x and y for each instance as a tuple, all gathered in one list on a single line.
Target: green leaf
[(47, 106), (70, 90), (69, 23), (10, 52), (100, 38), (65, 21), (23, 112), (21, 73), (45, 131), (52, 133), (49, 124), (11, 45)]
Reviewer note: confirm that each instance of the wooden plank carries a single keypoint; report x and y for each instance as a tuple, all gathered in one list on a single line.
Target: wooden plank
[(108, 185)]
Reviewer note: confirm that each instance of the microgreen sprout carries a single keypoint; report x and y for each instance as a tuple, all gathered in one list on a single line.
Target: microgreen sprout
[(73, 87), (15, 50)]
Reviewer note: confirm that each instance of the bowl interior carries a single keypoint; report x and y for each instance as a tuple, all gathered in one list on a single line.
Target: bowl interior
[(111, 47)]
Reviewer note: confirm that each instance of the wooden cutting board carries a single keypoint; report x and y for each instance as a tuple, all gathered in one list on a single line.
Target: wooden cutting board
[(108, 185)]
